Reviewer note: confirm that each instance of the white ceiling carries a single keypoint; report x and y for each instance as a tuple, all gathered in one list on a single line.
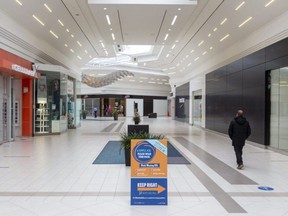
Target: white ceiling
[(139, 24)]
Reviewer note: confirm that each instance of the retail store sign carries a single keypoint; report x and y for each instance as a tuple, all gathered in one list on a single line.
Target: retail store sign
[(23, 70), (149, 172)]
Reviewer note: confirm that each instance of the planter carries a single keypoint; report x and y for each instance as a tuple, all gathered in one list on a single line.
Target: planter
[(127, 153), (115, 117)]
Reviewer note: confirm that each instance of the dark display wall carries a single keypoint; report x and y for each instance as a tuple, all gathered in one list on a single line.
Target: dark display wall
[(182, 103), (243, 85)]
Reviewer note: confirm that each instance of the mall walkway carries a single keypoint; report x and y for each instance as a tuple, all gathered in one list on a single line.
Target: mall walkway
[(54, 175)]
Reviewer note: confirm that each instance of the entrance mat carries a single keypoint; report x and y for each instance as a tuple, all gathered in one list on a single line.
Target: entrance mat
[(112, 154)]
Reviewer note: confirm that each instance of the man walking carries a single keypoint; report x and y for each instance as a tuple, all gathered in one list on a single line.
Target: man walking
[(239, 131)]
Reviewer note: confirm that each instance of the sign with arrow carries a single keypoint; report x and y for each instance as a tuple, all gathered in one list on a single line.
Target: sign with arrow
[(149, 191)]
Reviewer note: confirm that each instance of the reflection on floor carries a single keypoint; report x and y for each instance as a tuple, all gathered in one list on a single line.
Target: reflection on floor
[(54, 175)]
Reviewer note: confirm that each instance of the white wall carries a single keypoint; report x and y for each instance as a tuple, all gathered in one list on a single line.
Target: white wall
[(130, 106), (160, 107)]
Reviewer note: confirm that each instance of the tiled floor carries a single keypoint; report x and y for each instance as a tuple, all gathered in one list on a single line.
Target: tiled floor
[(54, 175)]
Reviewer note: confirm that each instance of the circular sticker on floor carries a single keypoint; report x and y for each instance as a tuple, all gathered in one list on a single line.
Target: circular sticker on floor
[(265, 188)]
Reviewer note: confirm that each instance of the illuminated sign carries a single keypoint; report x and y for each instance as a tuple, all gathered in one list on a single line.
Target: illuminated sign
[(23, 70)]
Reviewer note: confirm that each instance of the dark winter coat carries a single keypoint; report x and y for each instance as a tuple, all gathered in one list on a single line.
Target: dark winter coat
[(239, 131)]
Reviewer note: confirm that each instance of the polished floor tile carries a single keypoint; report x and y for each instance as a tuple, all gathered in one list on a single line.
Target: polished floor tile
[(54, 175)]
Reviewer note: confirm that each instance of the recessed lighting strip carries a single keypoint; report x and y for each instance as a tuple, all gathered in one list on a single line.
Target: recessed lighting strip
[(243, 23), (36, 18), (240, 5), (269, 3), (108, 19), (20, 3), (48, 8), (223, 21), (56, 36), (166, 36), (113, 36), (225, 37), (61, 23), (174, 20), (201, 43)]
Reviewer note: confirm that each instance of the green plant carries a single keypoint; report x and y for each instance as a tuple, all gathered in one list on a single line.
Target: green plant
[(84, 112), (126, 138), (136, 119)]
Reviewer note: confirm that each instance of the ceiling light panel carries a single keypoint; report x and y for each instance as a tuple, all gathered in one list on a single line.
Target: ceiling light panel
[(268, 3), (224, 38), (19, 2), (60, 22), (246, 21), (222, 23), (48, 8), (240, 5), (108, 19), (38, 20), (174, 20)]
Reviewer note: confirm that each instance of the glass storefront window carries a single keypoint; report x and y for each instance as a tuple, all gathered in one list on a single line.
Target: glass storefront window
[(279, 109)]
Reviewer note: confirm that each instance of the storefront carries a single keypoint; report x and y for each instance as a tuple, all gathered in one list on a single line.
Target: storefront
[(16, 94), (55, 101)]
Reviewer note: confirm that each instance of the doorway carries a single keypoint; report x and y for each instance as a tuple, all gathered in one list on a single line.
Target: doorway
[(197, 108)]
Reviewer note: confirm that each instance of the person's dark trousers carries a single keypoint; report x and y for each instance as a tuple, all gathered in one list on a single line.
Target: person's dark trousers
[(238, 152), (95, 114)]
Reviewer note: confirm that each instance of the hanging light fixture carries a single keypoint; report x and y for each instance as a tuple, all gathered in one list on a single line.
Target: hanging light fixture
[(108, 79)]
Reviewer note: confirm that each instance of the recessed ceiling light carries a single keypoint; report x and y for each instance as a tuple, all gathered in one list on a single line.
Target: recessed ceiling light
[(131, 80), (172, 68), (189, 64), (211, 48), (67, 30), (177, 41), (173, 46), (72, 35), (72, 50), (187, 56), (174, 20), (243, 23), (86, 51), (100, 74), (65, 45), (38, 20), (196, 59), (105, 8), (113, 37), (164, 80), (79, 43), (140, 81), (160, 83), (178, 64), (266, 5), (151, 82), (226, 36), (167, 55), (240, 5), (48, 8), (111, 29), (192, 51), (20, 3), (201, 43), (169, 29), (204, 52), (108, 19), (166, 36), (172, 73), (223, 21), (145, 77), (209, 35), (179, 9), (79, 57), (61, 23), (215, 29)]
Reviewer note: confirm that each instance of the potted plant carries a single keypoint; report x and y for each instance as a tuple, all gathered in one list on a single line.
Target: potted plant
[(136, 119), (115, 114), (84, 113), (126, 142)]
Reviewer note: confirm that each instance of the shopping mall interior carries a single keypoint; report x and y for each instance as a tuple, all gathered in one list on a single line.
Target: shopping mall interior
[(84, 83)]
